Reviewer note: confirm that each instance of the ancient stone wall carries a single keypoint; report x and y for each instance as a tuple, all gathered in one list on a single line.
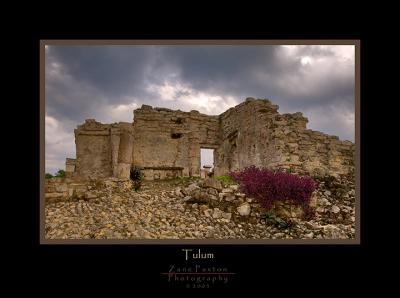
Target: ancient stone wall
[(167, 139), (166, 143), (70, 164), (61, 189), (246, 137), (254, 133), (103, 150)]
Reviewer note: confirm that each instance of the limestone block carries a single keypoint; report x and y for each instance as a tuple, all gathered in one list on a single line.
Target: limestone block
[(212, 183), (61, 187), (53, 195)]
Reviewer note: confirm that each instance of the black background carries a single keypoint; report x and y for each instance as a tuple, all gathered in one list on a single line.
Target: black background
[(114, 268)]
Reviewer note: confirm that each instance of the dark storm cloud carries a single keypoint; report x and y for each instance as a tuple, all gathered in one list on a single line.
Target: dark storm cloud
[(108, 82), (220, 68), (234, 70), (79, 79), (114, 70)]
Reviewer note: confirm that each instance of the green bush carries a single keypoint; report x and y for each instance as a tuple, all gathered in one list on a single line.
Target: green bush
[(48, 176), (60, 174), (271, 219), (226, 180)]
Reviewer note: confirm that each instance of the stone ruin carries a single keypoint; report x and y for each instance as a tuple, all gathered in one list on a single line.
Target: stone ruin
[(166, 143)]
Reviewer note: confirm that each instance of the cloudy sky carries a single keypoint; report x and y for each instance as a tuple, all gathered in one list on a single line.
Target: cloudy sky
[(108, 82)]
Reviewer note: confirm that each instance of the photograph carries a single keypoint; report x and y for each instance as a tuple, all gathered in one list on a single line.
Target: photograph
[(200, 141)]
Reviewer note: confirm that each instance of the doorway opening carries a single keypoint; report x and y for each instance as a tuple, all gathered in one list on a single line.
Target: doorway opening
[(206, 162)]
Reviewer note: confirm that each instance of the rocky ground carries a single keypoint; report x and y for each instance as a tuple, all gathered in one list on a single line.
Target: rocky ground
[(196, 209)]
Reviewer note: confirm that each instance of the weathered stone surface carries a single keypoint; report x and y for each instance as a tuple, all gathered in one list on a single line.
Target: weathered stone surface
[(70, 165), (61, 187), (191, 188), (212, 183), (90, 195), (53, 195)]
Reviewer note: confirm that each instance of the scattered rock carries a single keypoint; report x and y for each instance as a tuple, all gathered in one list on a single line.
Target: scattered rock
[(191, 188), (203, 207), (227, 215), (212, 183), (158, 211), (309, 235), (208, 212), (244, 209), (117, 235), (229, 198), (187, 198), (234, 187), (178, 193), (212, 191), (324, 202), (217, 213), (131, 228), (90, 195), (333, 232)]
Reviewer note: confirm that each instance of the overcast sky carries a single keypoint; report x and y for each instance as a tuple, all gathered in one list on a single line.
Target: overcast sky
[(108, 82)]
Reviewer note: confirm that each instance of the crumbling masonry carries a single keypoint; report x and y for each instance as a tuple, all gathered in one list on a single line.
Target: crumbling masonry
[(166, 143)]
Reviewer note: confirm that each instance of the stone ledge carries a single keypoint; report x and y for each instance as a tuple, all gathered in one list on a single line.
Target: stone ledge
[(162, 168)]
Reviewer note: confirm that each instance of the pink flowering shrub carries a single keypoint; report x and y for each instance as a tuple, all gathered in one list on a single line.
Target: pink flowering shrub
[(268, 187)]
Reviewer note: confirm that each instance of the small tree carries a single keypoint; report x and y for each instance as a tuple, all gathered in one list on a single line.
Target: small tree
[(60, 174)]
